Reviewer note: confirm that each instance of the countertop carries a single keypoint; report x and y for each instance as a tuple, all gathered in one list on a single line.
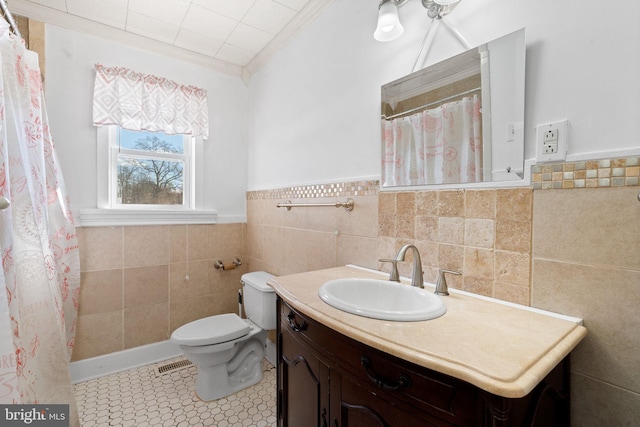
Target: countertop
[(502, 348)]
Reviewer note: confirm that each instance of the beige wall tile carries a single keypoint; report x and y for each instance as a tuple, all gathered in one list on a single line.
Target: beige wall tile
[(178, 243), (254, 241), (426, 228), (513, 268), (427, 203), (451, 230), (451, 257), (292, 218), (513, 235), (428, 253), (273, 215), (357, 250), (607, 300), (146, 245), (189, 279), (597, 226), (98, 334), (479, 233), (226, 280), (321, 250), (225, 242), (406, 203), (362, 220), (294, 251), (405, 226), (595, 403), (273, 239), (146, 325), (476, 285), (451, 203), (100, 248), (515, 204), (146, 285), (478, 263), (198, 242), (100, 292), (387, 203), (512, 293), (387, 226), (480, 204), (325, 218)]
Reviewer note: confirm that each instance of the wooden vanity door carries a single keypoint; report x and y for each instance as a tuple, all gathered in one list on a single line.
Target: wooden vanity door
[(303, 385)]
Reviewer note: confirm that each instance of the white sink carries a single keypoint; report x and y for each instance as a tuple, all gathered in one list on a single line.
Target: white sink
[(382, 299)]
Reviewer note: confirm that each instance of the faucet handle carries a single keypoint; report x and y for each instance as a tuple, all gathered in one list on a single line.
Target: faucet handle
[(393, 275), (441, 284)]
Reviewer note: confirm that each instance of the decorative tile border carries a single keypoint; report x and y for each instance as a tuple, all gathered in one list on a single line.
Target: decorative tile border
[(342, 189), (620, 172)]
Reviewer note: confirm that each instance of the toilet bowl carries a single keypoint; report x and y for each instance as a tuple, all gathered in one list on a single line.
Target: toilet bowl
[(226, 348)]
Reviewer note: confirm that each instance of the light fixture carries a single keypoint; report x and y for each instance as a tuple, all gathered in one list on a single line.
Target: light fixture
[(389, 27)]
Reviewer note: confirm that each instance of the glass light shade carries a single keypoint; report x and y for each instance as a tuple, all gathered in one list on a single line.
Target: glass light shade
[(389, 26)]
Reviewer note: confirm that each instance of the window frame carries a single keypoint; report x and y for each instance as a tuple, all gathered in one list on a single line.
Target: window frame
[(106, 215)]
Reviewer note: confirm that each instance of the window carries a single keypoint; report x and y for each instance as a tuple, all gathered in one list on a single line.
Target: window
[(150, 169), (148, 178)]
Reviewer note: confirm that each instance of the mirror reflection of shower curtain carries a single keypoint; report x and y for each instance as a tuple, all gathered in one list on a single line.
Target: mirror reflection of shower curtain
[(40, 280), (438, 146)]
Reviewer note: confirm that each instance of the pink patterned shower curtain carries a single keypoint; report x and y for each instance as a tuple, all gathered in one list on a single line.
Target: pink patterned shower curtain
[(438, 146), (41, 276)]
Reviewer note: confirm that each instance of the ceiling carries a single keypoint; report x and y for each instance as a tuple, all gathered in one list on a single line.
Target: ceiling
[(234, 36)]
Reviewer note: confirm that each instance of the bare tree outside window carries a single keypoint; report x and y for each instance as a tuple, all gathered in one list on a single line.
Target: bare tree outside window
[(149, 172)]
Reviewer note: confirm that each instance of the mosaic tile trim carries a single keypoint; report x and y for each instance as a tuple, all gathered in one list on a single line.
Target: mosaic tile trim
[(342, 189), (619, 172)]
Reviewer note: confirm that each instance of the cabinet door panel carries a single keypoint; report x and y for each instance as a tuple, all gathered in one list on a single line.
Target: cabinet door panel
[(304, 378)]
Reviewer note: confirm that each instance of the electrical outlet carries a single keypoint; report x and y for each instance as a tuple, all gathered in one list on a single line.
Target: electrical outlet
[(551, 141), (550, 135)]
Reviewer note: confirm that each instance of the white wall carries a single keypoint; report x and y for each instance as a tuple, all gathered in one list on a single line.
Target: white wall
[(70, 74), (315, 106)]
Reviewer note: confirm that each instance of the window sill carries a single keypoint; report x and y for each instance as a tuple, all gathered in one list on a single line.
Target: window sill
[(117, 217)]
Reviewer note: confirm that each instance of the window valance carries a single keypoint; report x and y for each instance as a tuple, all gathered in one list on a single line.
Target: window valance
[(137, 101)]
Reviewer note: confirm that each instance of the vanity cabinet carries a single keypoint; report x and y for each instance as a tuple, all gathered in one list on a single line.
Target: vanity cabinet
[(326, 379)]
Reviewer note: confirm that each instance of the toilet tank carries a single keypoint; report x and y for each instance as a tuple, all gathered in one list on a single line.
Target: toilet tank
[(259, 299)]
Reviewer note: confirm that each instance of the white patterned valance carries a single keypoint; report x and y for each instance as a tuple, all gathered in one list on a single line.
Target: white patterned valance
[(137, 101)]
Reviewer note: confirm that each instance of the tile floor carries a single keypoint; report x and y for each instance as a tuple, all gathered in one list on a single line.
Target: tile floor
[(140, 398)]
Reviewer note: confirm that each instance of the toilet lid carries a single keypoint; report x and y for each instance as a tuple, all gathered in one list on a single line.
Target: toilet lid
[(211, 330)]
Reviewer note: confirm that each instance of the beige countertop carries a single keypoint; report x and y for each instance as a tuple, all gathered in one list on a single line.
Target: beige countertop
[(502, 348)]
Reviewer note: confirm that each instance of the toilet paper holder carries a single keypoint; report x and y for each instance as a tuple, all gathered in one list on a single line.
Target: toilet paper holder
[(228, 266)]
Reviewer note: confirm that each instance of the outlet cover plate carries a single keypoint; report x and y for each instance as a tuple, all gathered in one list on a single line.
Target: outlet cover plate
[(554, 148)]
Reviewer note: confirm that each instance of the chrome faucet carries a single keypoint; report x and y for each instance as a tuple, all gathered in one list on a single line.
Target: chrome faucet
[(417, 278)]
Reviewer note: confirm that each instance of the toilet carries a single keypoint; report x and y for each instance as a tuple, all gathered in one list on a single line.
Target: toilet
[(227, 349)]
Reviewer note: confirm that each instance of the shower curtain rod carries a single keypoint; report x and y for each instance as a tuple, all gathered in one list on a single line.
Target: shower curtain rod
[(9, 17), (422, 107)]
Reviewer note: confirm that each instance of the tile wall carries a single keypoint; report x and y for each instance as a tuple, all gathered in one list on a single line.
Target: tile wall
[(140, 283), (571, 249)]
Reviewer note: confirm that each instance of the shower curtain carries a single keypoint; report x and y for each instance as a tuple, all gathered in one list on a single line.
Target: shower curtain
[(38, 244), (438, 146)]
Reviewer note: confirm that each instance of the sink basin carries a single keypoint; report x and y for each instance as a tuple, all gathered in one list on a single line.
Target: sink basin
[(382, 299)]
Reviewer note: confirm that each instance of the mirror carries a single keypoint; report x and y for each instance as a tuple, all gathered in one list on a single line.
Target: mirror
[(458, 121)]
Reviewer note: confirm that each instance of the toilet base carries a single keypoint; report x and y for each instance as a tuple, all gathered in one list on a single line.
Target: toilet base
[(242, 371)]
